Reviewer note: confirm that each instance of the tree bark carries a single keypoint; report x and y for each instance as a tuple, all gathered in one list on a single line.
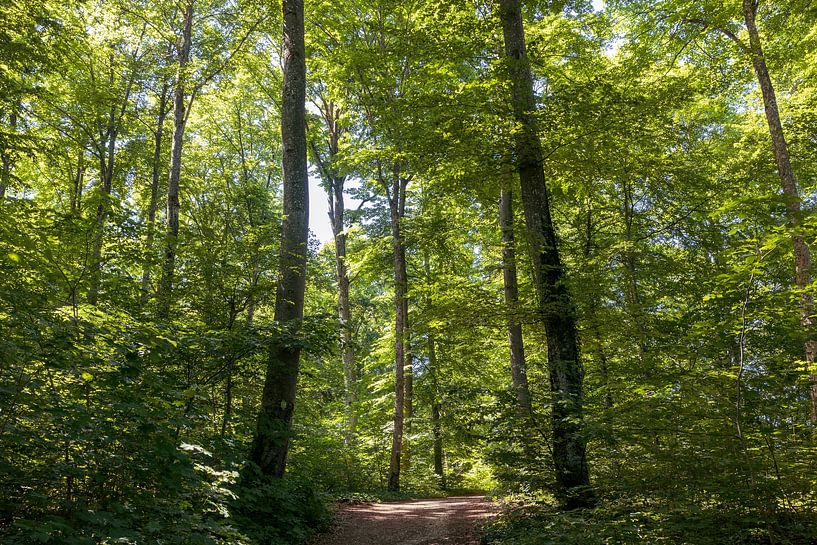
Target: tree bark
[(78, 181), (153, 205), (271, 441), (519, 377), (5, 174), (436, 424), (106, 170), (632, 291), (345, 315), (802, 252), (337, 209), (106, 148), (397, 196), (183, 48), (556, 307), (408, 401)]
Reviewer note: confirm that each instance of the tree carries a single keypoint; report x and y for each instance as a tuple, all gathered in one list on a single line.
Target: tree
[(327, 157), (184, 45), (555, 304), (271, 440)]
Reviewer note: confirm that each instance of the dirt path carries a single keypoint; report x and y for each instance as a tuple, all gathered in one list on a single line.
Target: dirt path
[(445, 521)]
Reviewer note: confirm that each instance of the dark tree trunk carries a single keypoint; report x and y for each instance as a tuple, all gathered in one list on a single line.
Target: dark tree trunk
[(179, 122), (271, 441), (153, 205), (593, 322), (555, 303), (519, 377), (397, 196), (107, 149), (802, 253)]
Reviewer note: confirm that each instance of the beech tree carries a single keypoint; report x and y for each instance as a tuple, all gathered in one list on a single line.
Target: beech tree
[(271, 440), (556, 306)]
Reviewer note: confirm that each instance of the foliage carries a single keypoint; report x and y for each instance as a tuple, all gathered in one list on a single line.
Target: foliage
[(622, 523), (278, 511), (119, 427)]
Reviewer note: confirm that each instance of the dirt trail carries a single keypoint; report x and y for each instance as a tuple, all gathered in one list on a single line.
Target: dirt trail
[(445, 521)]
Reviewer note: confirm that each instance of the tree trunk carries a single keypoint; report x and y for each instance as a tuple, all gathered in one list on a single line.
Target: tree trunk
[(5, 174), (153, 205), (179, 123), (436, 425), (106, 169), (802, 253), (271, 441), (345, 316), (593, 322), (337, 210), (555, 303), (397, 208), (519, 377), (408, 401), (78, 182), (632, 291)]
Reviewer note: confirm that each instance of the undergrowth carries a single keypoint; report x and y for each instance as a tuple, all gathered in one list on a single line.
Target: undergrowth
[(620, 524)]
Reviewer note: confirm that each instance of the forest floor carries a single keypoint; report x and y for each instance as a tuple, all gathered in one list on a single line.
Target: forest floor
[(439, 521)]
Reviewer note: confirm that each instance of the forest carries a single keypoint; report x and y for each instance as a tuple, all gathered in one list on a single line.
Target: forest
[(262, 261)]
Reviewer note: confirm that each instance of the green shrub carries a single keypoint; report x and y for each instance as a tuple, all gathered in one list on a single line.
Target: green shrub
[(275, 511)]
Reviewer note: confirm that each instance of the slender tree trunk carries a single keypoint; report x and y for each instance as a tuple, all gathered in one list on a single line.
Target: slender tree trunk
[(408, 410), (345, 315), (337, 211), (106, 170), (5, 174), (153, 205), (397, 207), (228, 400), (179, 123), (555, 303), (519, 377), (78, 181), (802, 253), (436, 423), (593, 321), (271, 441), (632, 291)]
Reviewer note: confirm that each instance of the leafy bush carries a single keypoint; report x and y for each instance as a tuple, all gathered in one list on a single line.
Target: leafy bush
[(278, 511), (626, 524)]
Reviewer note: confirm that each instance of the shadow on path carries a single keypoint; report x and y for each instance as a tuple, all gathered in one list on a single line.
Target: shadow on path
[(440, 521)]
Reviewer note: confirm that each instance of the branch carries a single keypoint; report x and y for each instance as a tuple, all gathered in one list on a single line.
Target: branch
[(725, 31)]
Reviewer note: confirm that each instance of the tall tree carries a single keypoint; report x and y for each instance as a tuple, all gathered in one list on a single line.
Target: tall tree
[(7, 157), (788, 183), (395, 189), (180, 112), (156, 173), (555, 304), (327, 157), (519, 376), (271, 440)]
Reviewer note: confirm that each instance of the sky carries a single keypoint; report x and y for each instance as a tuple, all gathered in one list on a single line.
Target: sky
[(319, 211)]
